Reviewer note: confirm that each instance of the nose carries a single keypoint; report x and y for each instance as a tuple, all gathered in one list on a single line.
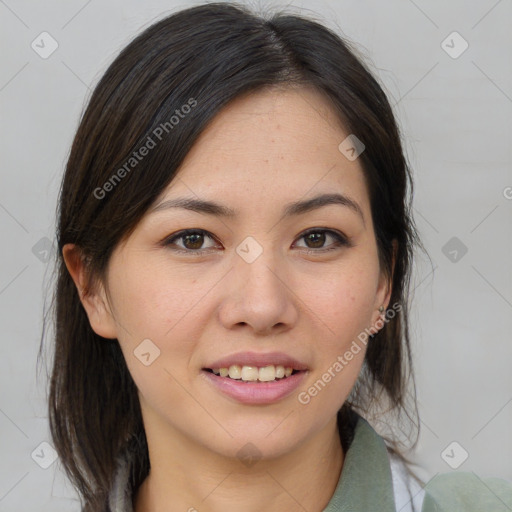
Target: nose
[(259, 295)]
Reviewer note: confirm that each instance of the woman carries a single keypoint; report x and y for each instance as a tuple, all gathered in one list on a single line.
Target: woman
[(235, 245)]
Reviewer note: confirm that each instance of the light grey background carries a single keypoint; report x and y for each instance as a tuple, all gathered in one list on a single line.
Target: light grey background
[(455, 115)]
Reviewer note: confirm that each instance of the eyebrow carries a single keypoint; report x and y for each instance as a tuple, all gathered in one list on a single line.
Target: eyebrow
[(290, 209)]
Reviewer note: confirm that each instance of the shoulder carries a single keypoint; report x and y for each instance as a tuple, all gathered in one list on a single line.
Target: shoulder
[(456, 492), (467, 492)]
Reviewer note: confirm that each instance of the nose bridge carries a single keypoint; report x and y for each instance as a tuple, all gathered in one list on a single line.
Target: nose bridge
[(258, 265), (258, 295)]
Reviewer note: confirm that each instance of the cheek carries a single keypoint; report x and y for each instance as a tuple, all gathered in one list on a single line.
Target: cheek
[(155, 300), (342, 309), (344, 303), (168, 308), (333, 380)]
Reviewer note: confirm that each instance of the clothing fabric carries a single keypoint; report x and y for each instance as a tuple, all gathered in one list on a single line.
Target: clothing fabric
[(372, 479), (409, 494)]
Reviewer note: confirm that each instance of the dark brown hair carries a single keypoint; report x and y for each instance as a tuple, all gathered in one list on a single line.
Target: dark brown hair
[(210, 54)]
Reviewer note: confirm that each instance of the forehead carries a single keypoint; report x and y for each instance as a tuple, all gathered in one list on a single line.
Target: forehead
[(273, 145)]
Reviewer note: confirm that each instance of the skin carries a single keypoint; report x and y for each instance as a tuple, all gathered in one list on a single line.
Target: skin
[(261, 152)]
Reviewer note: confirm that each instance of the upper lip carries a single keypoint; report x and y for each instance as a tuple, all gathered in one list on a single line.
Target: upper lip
[(258, 359)]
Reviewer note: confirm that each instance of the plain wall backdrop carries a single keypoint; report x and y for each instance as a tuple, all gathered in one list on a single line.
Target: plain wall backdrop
[(446, 69)]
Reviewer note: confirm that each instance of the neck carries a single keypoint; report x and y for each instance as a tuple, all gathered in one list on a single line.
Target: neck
[(187, 477)]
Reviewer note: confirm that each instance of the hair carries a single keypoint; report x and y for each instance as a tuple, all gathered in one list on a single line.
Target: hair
[(207, 55)]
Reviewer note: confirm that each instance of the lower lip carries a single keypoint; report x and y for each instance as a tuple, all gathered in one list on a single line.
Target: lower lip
[(256, 393)]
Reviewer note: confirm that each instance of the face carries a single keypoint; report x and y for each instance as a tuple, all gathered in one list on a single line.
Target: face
[(302, 283)]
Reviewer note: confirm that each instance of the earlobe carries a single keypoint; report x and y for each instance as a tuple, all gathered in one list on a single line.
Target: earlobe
[(94, 301)]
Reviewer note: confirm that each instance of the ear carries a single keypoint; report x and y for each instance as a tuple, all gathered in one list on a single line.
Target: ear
[(95, 301), (385, 287)]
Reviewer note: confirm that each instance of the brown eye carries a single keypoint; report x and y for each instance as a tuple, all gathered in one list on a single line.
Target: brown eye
[(195, 240), (192, 240), (316, 238)]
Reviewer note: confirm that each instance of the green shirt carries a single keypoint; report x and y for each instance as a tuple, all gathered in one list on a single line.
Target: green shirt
[(366, 484)]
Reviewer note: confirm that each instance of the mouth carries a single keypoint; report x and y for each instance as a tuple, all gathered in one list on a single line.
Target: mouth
[(269, 373), (252, 385)]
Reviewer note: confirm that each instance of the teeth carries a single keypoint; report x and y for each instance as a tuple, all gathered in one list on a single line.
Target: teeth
[(253, 373)]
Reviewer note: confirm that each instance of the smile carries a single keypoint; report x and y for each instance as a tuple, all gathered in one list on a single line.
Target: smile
[(253, 373), (255, 391)]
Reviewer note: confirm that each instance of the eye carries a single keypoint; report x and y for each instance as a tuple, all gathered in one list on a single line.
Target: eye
[(317, 237), (193, 239)]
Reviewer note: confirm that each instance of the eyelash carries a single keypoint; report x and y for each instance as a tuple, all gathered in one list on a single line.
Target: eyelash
[(341, 241)]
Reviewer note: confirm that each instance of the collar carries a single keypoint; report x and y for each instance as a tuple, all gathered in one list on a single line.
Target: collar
[(365, 482)]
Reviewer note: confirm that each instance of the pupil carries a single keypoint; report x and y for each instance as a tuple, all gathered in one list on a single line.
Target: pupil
[(316, 235), (187, 238)]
